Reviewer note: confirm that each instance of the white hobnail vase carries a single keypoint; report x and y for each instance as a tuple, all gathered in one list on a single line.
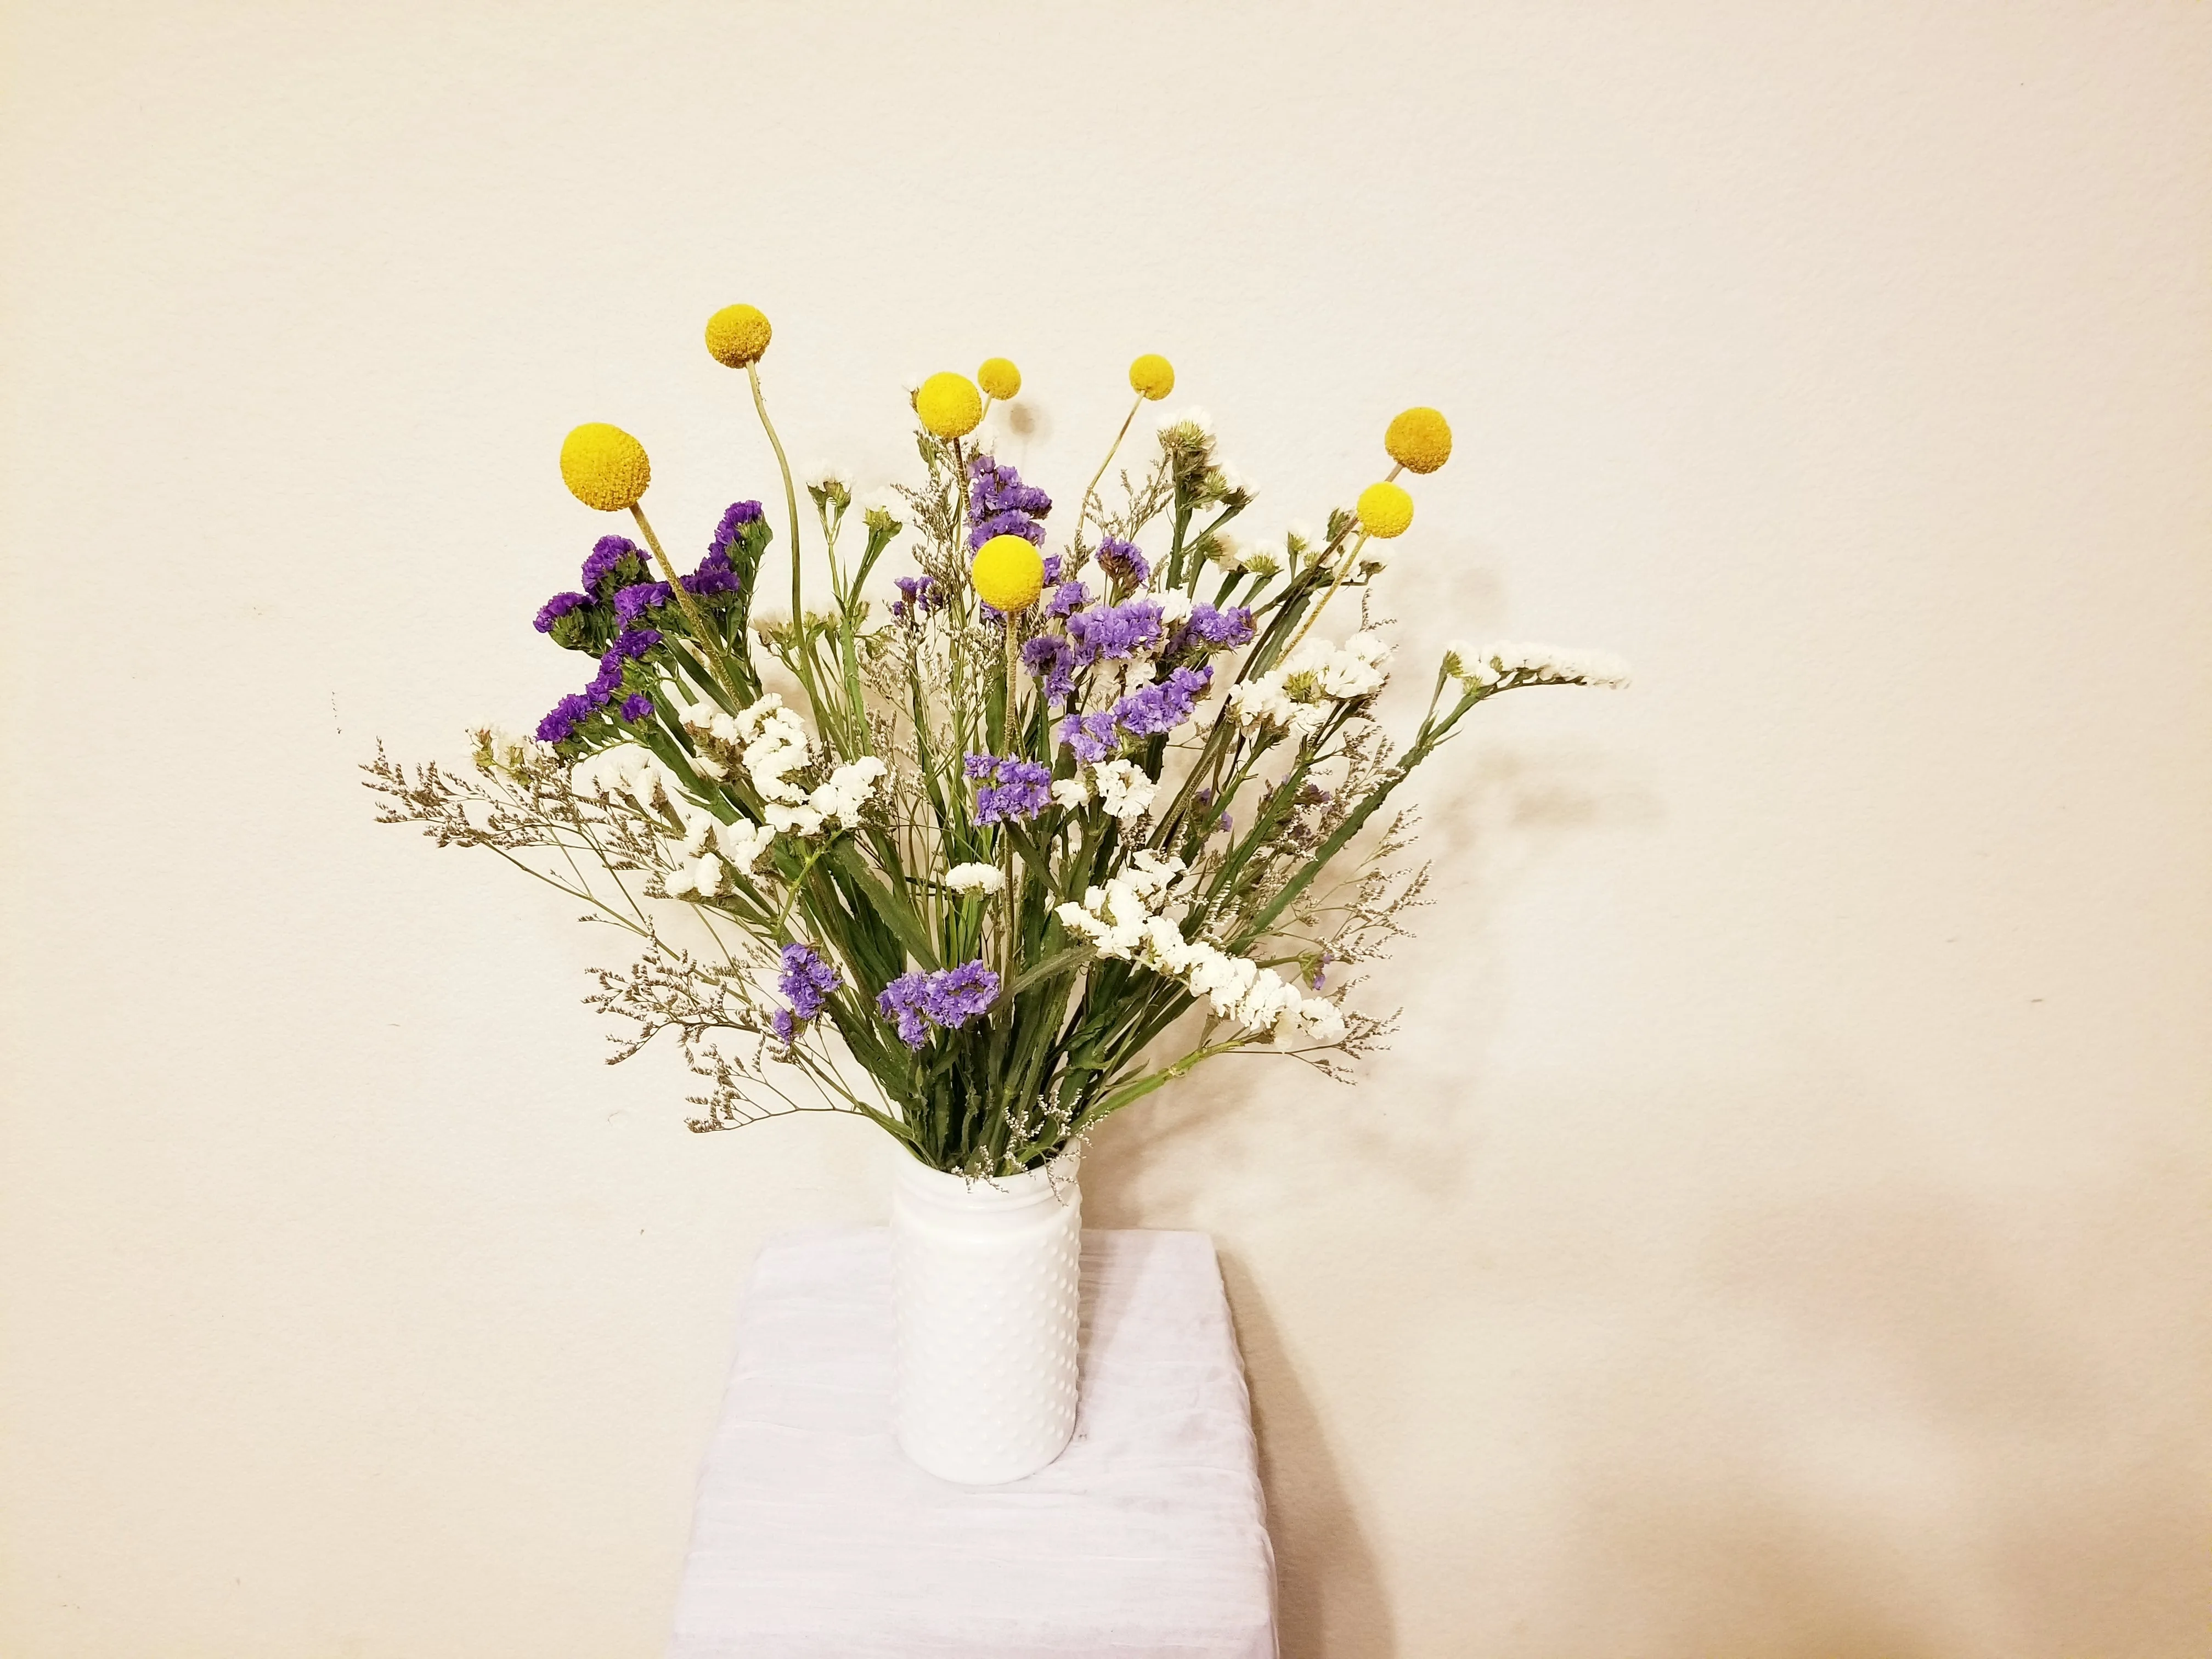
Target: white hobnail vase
[(984, 1286)]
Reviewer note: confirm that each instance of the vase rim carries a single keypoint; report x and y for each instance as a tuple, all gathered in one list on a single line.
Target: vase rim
[(995, 1192)]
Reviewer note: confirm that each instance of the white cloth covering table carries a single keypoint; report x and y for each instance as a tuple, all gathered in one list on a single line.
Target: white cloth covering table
[(814, 1537)]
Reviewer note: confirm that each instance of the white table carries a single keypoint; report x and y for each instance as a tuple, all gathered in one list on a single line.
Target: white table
[(815, 1539)]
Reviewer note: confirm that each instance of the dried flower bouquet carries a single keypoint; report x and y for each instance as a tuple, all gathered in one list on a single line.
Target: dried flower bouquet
[(959, 864)]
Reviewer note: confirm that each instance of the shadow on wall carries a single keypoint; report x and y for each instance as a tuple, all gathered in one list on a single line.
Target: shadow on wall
[(1215, 1149), (1326, 1576)]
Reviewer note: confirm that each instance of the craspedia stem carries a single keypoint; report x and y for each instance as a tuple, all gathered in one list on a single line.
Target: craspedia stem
[(1314, 615), (1091, 489), (692, 614), (790, 491)]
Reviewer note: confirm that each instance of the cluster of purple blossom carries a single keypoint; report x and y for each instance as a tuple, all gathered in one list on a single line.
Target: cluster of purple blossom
[(1124, 561), (1011, 789), (807, 980), (1001, 504), (1146, 712), (1212, 627), (947, 1000), (573, 710), (918, 597), (615, 569)]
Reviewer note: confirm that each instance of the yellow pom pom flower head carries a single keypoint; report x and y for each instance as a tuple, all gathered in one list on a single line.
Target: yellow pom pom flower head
[(1418, 440), (605, 467), (1385, 510), (949, 404), (1153, 375), (1008, 574), (737, 335), (999, 378)]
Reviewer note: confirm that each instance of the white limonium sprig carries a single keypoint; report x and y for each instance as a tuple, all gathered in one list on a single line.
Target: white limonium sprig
[(1533, 664), (1093, 800)]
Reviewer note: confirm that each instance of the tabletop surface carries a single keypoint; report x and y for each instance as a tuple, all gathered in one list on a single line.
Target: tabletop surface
[(815, 1537)]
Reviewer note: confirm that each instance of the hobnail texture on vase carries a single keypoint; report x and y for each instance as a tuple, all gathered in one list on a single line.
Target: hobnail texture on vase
[(984, 1282)]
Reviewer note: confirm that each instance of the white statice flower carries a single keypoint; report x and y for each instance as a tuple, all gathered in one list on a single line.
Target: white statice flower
[(1197, 419), (1175, 607), (1123, 921), (500, 750), (910, 382), (1074, 793), (974, 878), (1123, 789), (1226, 551), (793, 820), (773, 742), (1298, 535), (1295, 697), (824, 474), (841, 799), (881, 502), (1534, 665), (1374, 558), (741, 843), (1233, 481), (626, 769)]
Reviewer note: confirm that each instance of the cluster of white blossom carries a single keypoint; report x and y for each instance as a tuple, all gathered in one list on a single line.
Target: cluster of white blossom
[(1127, 921), (697, 857), (772, 743), (1533, 664), (1295, 696), (627, 768), (974, 878), (517, 752), (1121, 786)]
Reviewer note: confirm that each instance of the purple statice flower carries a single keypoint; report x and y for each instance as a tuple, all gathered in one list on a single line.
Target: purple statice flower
[(571, 712), (714, 575), (1114, 630), (1053, 562), (1164, 704), (786, 1028), (1312, 794), (607, 682), (1051, 659), (635, 641), (639, 596), (959, 994), (918, 596), (1230, 627), (735, 518), (607, 553), (1320, 966), (1093, 737), (901, 1000), (947, 1000), (1001, 504), (1007, 524), (1012, 788), (806, 980), (636, 707), (557, 607), (1069, 596), (1123, 561)]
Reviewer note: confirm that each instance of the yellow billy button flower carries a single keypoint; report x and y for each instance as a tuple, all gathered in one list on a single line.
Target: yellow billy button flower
[(737, 335), (1008, 574), (1385, 510), (999, 378), (1153, 375), (949, 404), (605, 467), (1418, 440)]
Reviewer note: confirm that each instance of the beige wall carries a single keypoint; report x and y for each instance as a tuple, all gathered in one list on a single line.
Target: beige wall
[(1780, 1229)]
